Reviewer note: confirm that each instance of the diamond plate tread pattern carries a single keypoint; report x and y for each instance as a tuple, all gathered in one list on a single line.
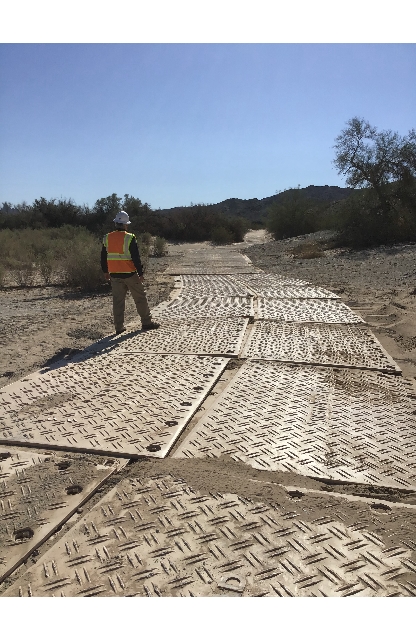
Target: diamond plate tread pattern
[(212, 285), (205, 307), (37, 494), (206, 269), (288, 291), (338, 345), (264, 284), (293, 310), (342, 424), (160, 537), (121, 404), (204, 336)]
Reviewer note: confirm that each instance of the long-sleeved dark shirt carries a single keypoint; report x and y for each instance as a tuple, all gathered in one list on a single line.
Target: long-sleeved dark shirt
[(135, 256)]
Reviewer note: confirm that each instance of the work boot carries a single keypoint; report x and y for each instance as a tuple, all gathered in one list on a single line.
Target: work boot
[(150, 326)]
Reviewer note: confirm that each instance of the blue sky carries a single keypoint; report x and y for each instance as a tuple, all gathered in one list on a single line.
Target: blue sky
[(180, 123)]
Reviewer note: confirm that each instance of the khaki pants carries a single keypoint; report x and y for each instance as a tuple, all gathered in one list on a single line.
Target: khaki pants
[(120, 286)]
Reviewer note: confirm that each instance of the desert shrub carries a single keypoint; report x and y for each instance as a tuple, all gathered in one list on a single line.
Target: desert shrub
[(27, 253), (45, 265), (144, 251), (24, 274), (145, 238), (196, 224), (221, 235), (81, 266), (159, 247)]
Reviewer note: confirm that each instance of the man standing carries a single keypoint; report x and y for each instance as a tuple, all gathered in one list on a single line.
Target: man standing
[(120, 261)]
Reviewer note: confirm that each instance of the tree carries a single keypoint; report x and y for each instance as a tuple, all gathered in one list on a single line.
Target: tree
[(103, 213), (56, 213), (384, 163), (140, 214), (372, 158)]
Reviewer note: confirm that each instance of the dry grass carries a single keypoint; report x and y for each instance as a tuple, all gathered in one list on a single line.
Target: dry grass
[(65, 256), (68, 256)]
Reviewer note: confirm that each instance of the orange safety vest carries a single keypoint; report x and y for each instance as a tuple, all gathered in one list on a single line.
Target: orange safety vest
[(119, 259)]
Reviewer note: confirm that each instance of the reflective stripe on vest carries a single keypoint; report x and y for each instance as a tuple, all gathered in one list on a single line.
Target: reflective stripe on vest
[(119, 259)]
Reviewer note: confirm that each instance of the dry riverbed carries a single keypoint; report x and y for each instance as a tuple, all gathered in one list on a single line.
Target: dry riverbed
[(40, 324)]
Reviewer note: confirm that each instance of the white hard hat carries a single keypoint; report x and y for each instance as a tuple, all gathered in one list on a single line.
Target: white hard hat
[(122, 218)]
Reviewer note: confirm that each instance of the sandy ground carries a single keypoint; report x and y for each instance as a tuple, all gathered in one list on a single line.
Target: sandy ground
[(40, 324)]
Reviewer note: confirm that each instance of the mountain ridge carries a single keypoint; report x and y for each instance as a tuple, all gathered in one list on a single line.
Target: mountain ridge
[(255, 209)]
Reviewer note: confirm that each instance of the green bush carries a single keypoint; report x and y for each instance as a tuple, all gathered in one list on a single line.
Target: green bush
[(363, 221), (221, 235), (296, 215)]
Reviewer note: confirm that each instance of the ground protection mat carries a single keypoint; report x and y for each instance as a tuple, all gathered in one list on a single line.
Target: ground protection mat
[(288, 291), (38, 493), (160, 537), (212, 285), (292, 310), (219, 269), (211, 257), (119, 404), (205, 307), (342, 424), (204, 336), (264, 284), (343, 345)]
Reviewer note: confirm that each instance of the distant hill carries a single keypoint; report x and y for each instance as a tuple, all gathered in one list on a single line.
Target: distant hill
[(256, 210)]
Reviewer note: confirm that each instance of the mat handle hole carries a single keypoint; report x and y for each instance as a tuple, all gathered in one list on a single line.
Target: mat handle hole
[(73, 489), (379, 506), (153, 448), (62, 466), (295, 495), (23, 534)]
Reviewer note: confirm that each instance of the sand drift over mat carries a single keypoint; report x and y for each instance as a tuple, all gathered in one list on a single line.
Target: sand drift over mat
[(122, 404), (160, 537), (331, 344), (344, 424)]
